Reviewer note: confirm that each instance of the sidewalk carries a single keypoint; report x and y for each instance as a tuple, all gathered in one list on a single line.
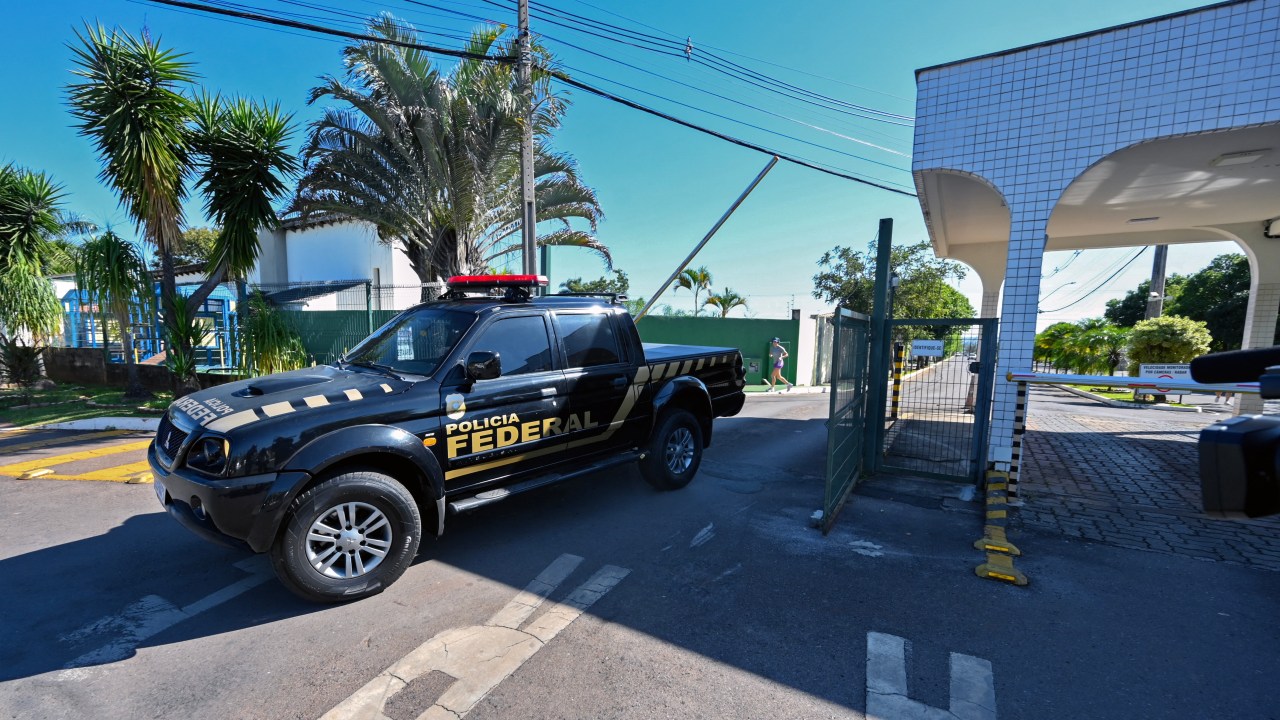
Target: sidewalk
[(1129, 481)]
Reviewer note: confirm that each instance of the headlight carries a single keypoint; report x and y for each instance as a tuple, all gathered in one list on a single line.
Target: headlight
[(209, 455)]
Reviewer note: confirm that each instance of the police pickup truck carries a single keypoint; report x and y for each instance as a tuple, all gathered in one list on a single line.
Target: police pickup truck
[(494, 390)]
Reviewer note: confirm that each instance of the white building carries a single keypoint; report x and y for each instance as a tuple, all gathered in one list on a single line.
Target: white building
[(339, 253), (1156, 132)]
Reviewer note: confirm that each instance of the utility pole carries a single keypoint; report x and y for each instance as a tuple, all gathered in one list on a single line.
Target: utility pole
[(527, 201), (1155, 299)]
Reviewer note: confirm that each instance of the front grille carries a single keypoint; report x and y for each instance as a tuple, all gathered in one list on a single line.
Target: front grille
[(169, 438)]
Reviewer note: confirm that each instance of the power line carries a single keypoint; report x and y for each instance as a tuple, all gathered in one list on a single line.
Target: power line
[(309, 27), (741, 55), (727, 138), (1099, 287), (323, 30), (724, 66), (714, 62), (736, 102), (687, 47)]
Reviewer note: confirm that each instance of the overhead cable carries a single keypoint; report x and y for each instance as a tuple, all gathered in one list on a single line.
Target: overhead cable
[(1100, 286), (558, 75)]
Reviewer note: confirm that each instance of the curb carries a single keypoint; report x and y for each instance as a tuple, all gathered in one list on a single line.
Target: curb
[(105, 423), (1124, 403), (795, 390)]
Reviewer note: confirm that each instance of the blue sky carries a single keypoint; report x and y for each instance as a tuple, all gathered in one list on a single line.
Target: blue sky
[(661, 186)]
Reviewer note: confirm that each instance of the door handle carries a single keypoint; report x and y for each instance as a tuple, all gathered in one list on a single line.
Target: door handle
[(619, 382)]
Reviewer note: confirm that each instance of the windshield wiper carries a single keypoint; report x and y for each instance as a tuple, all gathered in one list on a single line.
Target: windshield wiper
[(385, 369)]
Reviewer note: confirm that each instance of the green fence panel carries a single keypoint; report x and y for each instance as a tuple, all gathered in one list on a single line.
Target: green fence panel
[(327, 334), (749, 335)]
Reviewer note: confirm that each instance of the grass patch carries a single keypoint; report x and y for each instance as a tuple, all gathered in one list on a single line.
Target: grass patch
[(69, 402), (1125, 394)]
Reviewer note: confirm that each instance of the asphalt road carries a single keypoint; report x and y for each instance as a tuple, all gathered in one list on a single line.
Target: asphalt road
[(730, 606)]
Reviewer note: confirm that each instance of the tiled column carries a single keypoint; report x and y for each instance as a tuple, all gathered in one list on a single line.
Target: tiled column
[(1017, 318), (1264, 299), (988, 260)]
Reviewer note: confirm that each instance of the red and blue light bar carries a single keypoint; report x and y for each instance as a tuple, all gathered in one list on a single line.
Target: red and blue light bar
[(492, 281)]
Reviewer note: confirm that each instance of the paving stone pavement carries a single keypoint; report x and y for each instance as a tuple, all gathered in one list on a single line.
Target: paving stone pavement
[(1131, 481)]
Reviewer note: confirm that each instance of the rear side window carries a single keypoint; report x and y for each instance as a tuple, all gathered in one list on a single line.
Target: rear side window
[(522, 344), (589, 340)]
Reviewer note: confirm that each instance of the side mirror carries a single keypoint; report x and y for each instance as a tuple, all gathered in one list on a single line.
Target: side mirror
[(483, 365)]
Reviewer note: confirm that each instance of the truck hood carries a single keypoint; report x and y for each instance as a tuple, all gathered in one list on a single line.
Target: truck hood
[(226, 407)]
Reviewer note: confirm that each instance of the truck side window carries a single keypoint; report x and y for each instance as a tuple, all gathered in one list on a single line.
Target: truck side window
[(589, 340), (522, 344)]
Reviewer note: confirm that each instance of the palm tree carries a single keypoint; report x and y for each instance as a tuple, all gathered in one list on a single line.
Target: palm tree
[(432, 160), (698, 280), (112, 271), (151, 136), (132, 106), (725, 301), (29, 216)]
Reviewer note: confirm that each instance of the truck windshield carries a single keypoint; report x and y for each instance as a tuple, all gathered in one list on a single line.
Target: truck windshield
[(413, 343)]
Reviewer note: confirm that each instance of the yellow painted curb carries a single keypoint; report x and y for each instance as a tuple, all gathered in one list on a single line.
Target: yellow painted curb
[(38, 472), (140, 478)]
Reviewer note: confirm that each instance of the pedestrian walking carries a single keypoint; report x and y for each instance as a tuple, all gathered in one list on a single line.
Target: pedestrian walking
[(778, 356)]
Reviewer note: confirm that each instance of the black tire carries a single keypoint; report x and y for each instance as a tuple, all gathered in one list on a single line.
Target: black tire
[(674, 452), (380, 515)]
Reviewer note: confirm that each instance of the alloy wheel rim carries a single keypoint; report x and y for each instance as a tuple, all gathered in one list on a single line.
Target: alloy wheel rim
[(348, 540), (679, 450)]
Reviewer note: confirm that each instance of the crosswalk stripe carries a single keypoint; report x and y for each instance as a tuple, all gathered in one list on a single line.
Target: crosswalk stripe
[(62, 440), (55, 460)]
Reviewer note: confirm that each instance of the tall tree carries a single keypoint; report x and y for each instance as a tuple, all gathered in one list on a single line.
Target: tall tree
[(1217, 295), (196, 246), (619, 284), (696, 280), (113, 273), (847, 277), (725, 301), (432, 159), (1132, 308), (136, 102)]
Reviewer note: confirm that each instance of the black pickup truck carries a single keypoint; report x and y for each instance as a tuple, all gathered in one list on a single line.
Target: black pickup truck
[(492, 391)]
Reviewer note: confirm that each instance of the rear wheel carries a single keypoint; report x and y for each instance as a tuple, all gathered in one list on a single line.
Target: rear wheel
[(674, 452), (347, 538)]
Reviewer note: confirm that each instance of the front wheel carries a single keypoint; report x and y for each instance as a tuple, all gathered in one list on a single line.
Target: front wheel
[(674, 451), (347, 538)]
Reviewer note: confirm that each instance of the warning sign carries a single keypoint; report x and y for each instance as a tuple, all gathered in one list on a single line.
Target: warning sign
[(1179, 372)]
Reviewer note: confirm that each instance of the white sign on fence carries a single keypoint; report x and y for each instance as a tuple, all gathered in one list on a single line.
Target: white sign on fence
[(1176, 371), (926, 348)]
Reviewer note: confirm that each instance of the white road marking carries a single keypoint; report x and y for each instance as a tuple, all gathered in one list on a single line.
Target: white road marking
[(866, 547), (482, 656), (973, 689), (149, 617), (704, 536)]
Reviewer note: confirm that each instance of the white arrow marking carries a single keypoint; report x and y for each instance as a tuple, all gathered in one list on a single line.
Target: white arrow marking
[(482, 656), (973, 688)]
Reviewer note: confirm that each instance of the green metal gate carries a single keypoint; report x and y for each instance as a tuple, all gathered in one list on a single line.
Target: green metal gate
[(936, 418), (850, 334)]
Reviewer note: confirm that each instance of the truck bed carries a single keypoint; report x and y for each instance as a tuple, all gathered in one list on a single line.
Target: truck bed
[(662, 352)]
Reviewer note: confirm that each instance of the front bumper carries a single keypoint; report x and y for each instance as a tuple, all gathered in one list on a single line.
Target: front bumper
[(235, 512)]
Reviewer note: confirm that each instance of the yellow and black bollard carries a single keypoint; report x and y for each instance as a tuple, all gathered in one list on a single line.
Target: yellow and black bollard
[(897, 380)]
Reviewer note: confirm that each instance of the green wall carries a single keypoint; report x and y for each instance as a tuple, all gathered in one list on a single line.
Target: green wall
[(749, 335)]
